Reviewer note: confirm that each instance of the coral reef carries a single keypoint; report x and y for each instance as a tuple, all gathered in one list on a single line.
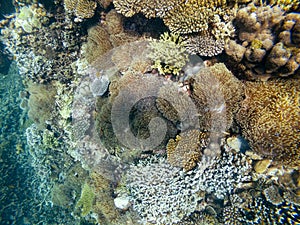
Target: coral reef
[(262, 207), (46, 53), (186, 150), (210, 19), (270, 119), (266, 47), (164, 194)]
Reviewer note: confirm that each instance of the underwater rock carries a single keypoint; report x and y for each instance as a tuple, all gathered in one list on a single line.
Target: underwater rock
[(122, 203), (99, 85)]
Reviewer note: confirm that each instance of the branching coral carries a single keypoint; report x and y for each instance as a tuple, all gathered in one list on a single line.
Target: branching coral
[(159, 193), (156, 8), (168, 53), (204, 45), (164, 194), (258, 207), (81, 8), (270, 119), (193, 15)]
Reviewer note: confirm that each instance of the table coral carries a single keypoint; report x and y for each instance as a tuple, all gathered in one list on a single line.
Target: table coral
[(270, 119)]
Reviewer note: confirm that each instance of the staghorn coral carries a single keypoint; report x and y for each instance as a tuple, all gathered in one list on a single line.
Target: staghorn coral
[(159, 193), (83, 9), (217, 94), (168, 53), (186, 150), (270, 119)]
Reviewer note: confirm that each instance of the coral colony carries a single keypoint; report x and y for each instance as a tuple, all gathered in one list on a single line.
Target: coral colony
[(155, 112)]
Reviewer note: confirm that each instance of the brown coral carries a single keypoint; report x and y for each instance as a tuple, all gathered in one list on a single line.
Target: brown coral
[(259, 52), (270, 117), (186, 150), (217, 94), (193, 15), (104, 37), (82, 9)]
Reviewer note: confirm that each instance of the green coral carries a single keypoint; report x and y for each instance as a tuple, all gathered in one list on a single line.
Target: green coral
[(256, 44), (168, 53), (85, 202)]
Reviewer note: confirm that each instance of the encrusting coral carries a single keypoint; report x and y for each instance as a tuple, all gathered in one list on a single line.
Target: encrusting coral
[(270, 118)]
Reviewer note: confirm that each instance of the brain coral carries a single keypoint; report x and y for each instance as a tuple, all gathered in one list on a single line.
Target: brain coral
[(270, 119)]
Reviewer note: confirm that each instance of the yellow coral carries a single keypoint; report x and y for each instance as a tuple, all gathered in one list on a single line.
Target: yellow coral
[(186, 150), (168, 53), (81, 8), (270, 118), (193, 15), (286, 5)]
